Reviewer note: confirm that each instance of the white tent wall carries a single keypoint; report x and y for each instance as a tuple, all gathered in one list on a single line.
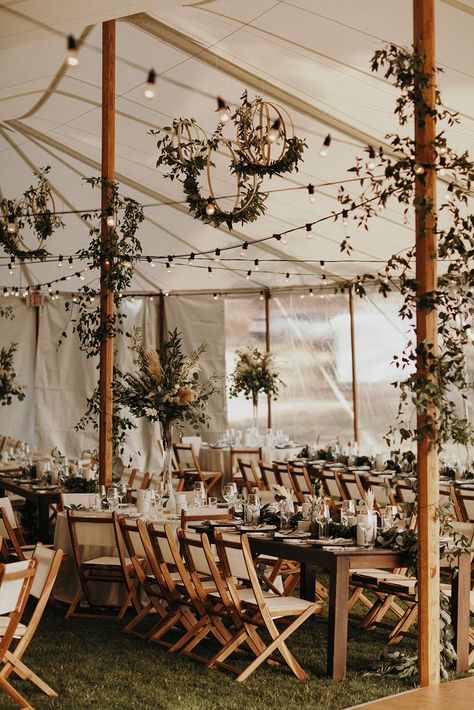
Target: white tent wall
[(201, 318), (18, 419)]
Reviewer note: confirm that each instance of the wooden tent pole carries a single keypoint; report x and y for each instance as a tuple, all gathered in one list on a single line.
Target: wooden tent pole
[(355, 398), (161, 319), (426, 331), (267, 349), (106, 295)]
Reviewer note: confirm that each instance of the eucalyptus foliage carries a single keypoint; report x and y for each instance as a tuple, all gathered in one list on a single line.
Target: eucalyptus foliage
[(9, 386), (254, 372)]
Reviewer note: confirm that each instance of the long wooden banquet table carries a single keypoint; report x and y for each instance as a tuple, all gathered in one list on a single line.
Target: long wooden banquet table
[(42, 495), (339, 561)]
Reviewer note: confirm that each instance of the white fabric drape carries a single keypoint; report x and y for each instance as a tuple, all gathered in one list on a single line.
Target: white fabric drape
[(201, 318), (18, 419)]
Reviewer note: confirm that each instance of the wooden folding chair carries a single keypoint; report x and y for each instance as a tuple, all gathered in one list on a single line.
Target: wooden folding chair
[(206, 513), (104, 570), (351, 484), (247, 454), (268, 475), (66, 500), (330, 489), (382, 489), (282, 472), (249, 475), (13, 544), (301, 482), (463, 502), (16, 579), (190, 467), (48, 563), (260, 611)]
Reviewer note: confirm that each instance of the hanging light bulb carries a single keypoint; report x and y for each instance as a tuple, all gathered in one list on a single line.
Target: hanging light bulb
[(5, 292), (223, 110), (257, 265), (249, 274), (311, 193), (217, 255), (215, 296), (309, 234), (274, 132), (171, 261), (442, 150), (82, 277), (325, 146), (209, 272), (57, 295), (277, 237), (210, 208), (419, 169), (283, 240), (371, 152), (71, 265), (322, 265), (110, 218), (72, 58), (60, 260), (302, 295), (191, 258), (168, 267), (10, 269), (16, 292), (74, 299), (442, 166), (150, 84), (244, 248), (287, 277), (311, 293), (50, 288), (345, 217), (261, 295), (11, 224)]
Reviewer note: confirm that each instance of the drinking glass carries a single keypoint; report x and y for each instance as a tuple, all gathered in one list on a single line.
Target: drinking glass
[(112, 497), (238, 502), (122, 491), (230, 492), (347, 510), (367, 526), (324, 517), (388, 517), (253, 509), (285, 514), (199, 494)]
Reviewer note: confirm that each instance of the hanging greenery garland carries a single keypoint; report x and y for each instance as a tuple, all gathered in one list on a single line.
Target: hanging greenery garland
[(35, 210), (266, 142), (185, 149)]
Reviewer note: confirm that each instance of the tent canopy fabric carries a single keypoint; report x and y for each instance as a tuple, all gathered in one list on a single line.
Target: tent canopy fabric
[(310, 56)]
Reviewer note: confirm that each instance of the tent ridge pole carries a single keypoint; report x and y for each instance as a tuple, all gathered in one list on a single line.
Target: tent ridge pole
[(267, 349), (106, 295), (426, 332)]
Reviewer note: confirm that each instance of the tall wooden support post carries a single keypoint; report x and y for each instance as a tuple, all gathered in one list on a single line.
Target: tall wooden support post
[(426, 331), (106, 295), (267, 349), (355, 399), (161, 319)]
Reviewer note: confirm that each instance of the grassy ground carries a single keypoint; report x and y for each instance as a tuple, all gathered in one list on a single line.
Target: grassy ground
[(93, 665)]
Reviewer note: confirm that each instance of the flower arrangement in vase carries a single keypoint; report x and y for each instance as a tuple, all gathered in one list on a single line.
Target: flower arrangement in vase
[(254, 372), (167, 388)]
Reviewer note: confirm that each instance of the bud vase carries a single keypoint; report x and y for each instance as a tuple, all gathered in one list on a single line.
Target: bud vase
[(169, 500), (255, 411)]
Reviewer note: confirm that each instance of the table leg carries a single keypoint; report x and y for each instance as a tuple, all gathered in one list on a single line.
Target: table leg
[(460, 611), (43, 519), (338, 618), (307, 581)]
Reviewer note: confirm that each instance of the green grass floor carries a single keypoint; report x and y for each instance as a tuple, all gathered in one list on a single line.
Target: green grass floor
[(92, 664)]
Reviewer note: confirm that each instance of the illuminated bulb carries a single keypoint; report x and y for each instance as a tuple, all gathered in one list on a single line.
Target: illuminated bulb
[(167, 293), (209, 272), (325, 146), (82, 277), (17, 293), (223, 110), (74, 299), (92, 299), (257, 265), (284, 241), (150, 84), (11, 224), (171, 261), (57, 295), (345, 218), (371, 163), (217, 255), (72, 58), (249, 274), (168, 267), (287, 277), (110, 221), (10, 269), (60, 261), (311, 293), (261, 295), (321, 263), (210, 208), (274, 132), (71, 265), (311, 193), (50, 289), (442, 150), (5, 292), (245, 246), (309, 228), (215, 296), (191, 258), (419, 169)]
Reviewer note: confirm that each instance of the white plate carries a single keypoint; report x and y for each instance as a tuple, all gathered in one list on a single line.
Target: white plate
[(258, 529)]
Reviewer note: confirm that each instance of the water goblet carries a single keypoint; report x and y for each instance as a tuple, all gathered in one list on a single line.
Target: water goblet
[(122, 490), (253, 509), (199, 494), (347, 510), (230, 492), (112, 497)]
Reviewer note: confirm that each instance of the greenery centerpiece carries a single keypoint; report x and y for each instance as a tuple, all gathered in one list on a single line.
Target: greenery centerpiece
[(9, 386), (167, 388), (255, 372)]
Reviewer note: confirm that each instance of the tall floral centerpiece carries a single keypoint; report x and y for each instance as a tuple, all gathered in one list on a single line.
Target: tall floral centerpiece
[(254, 372), (167, 388)]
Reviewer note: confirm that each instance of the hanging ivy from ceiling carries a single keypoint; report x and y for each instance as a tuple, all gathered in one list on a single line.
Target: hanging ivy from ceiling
[(263, 145), (35, 212)]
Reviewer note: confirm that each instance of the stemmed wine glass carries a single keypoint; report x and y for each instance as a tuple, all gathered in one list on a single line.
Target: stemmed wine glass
[(199, 494), (112, 497), (253, 508), (324, 517), (122, 490), (230, 492), (347, 509)]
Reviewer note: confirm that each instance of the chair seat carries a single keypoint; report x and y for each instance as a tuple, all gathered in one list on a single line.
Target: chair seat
[(373, 576), (19, 631), (105, 562), (398, 584)]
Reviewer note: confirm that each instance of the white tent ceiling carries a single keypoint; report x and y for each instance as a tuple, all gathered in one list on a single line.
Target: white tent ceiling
[(311, 56)]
